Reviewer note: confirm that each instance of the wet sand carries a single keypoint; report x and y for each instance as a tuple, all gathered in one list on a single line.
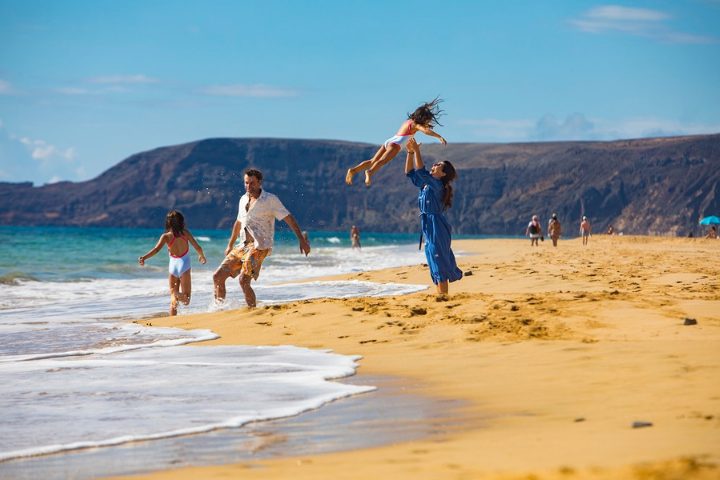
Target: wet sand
[(555, 354)]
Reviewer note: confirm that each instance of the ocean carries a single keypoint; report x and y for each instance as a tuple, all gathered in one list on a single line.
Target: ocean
[(77, 373)]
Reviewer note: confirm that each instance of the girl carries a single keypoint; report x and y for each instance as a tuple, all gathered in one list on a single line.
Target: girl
[(435, 197), (178, 241), (423, 119)]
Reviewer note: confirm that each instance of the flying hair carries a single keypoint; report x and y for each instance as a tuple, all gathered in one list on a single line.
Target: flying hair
[(428, 113)]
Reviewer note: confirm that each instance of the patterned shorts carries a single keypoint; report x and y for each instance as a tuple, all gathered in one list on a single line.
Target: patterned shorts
[(245, 259)]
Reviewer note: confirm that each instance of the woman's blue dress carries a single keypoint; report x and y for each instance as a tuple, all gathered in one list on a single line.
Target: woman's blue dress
[(435, 227)]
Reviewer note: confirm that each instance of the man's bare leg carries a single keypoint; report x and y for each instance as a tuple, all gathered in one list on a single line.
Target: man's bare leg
[(248, 291), (219, 278)]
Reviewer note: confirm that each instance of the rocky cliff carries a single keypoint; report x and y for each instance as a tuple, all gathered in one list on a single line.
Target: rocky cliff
[(646, 186)]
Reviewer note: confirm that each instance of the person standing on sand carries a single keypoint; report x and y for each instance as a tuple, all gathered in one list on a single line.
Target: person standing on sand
[(585, 230), (254, 229), (554, 229), (355, 237), (534, 231), (434, 198)]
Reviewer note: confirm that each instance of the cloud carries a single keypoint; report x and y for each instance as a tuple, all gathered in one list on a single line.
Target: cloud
[(123, 80), (42, 150), (577, 126), (641, 22), (5, 88), (256, 91), (574, 127)]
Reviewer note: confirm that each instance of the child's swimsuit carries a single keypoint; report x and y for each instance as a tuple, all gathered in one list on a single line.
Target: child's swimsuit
[(179, 265), (402, 136)]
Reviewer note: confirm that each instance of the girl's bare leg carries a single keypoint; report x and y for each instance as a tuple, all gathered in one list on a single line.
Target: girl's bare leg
[(174, 286), (363, 165), (185, 288), (442, 288), (390, 153)]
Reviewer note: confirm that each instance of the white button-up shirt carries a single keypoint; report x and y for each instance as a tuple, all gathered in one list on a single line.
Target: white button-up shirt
[(260, 218)]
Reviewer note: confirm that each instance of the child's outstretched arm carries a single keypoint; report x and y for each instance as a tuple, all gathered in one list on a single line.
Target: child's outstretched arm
[(196, 246), (429, 131), (154, 250)]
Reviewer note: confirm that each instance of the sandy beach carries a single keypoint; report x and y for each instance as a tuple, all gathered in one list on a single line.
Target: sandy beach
[(570, 362)]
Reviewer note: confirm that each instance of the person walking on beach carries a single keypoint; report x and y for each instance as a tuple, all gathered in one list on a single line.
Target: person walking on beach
[(585, 230), (423, 119), (534, 231), (554, 229), (253, 230), (178, 240), (435, 197), (355, 237)]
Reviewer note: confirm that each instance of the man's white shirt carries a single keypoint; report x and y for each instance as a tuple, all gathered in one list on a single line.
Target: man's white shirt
[(260, 218)]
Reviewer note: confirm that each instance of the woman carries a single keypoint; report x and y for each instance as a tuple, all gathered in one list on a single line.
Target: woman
[(435, 197)]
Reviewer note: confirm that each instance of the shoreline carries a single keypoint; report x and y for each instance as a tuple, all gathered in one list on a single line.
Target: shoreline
[(560, 349)]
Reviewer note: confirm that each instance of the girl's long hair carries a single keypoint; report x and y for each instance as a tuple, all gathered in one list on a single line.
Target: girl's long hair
[(175, 221), (450, 175), (428, 113)]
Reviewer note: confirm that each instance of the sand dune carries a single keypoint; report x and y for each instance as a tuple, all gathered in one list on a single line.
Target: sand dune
[(573, 362)]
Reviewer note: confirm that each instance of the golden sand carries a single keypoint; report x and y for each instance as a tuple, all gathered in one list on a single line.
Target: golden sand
[(555, 352)]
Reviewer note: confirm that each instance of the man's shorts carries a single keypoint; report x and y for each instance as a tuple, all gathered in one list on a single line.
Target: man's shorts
[(245, 259)]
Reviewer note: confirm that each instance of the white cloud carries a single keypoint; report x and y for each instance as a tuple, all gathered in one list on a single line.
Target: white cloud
[(641, 22), (44, 151), (5, 88), (123, 80), (257, 90), (578, 127)]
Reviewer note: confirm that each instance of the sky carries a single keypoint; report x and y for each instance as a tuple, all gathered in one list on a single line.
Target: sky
[(86, 84)]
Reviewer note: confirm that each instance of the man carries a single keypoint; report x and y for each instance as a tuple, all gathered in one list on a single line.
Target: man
[(554, 229), (255, 229)]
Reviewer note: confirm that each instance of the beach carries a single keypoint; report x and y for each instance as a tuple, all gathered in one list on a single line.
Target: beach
[(568, 362)]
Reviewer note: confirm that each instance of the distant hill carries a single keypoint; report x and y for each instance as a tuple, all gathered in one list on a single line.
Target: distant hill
[(646, 186)]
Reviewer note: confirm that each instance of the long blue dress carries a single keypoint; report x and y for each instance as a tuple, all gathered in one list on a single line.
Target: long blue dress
[(435, 227)]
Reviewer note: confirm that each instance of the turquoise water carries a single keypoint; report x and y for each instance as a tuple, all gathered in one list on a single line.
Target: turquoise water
[(74, 253)]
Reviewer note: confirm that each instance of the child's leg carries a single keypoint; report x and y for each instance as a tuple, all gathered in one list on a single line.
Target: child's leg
[(389, 154), (185, 288), (174, 285), (363, 165)]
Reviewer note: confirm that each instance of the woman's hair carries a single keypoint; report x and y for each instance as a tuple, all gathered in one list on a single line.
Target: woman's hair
[(427, 114), (175, 221), (450, 175)]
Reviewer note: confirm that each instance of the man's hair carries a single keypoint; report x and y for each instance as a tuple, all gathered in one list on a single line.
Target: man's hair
[(252, 172)]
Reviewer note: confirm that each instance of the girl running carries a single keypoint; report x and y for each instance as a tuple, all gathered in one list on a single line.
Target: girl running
[(178, 240)]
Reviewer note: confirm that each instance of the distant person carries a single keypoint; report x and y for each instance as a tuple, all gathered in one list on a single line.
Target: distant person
[(178, 240), (355, 237), (611, 230), (534, 231), (585, 230), (712, 232), (254, 230), (423, 119), (554, 229), (435, 197)]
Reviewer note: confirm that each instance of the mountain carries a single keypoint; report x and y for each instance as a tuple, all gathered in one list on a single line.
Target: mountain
[(645, 186)]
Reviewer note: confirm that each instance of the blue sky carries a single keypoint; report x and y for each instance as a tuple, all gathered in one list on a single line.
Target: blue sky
[(85, 84)]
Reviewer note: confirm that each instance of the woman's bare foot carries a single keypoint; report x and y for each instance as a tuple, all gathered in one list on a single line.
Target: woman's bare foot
[(368, 181), (348, 176)]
